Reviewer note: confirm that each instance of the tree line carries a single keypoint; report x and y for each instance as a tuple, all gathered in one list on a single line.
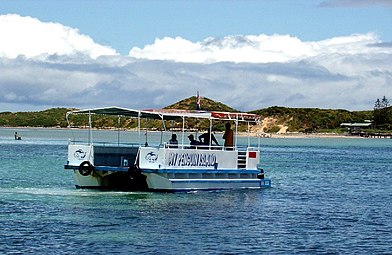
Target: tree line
[(382, 114)]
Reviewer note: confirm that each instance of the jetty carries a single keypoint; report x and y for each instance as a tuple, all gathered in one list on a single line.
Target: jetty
[(363, 130), (372, 134)]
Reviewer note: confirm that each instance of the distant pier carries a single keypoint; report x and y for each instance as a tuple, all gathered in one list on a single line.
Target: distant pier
[(359, 129), (372, 134)]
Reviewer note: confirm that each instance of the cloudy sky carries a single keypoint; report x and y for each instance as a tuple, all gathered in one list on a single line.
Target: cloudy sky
[(149, 54)]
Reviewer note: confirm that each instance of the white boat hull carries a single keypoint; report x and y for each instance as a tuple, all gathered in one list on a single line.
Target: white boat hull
[(158, 182), (164, 182)]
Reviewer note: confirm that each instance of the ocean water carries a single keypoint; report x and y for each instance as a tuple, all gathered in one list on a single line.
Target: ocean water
[(328, 196)]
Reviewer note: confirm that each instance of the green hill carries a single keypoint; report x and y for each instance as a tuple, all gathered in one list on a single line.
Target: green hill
[(206, 105)]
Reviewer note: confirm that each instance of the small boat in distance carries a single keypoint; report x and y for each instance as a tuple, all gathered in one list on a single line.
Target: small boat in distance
[(178, 166), (17, 137)]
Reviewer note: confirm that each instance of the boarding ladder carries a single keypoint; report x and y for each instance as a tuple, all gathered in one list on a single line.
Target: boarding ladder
[(241, 161)]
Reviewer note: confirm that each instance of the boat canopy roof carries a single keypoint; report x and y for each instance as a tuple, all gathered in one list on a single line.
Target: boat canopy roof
[(169, 114)]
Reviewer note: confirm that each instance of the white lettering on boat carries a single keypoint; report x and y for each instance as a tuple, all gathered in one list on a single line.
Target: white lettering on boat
[(191, 159)]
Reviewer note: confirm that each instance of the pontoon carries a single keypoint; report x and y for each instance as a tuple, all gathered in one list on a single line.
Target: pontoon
[(164, 167)]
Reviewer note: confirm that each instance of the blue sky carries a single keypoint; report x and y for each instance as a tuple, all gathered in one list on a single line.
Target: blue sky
[(150, 54), (123, 24)]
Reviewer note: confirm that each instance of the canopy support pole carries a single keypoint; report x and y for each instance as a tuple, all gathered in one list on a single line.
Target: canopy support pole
[(163, 129), (183, 130), (210, 143), (236, 132), (118, 130), (248, 133), (138, 127), (90, 135)]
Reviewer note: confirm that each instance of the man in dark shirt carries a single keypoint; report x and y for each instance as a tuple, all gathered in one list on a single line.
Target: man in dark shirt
[(205, 139), (193, 142)]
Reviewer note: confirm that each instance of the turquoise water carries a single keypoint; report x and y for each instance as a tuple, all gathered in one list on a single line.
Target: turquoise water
[(329, 196)]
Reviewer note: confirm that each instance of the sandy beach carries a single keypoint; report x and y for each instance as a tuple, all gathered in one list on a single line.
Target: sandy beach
[(311, 135), (294, 135)]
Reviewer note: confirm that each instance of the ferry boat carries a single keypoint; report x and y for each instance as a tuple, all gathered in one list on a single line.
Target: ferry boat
[(164, 166)]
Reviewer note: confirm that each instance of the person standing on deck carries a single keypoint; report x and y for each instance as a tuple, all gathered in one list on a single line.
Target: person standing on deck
[(228, 137)]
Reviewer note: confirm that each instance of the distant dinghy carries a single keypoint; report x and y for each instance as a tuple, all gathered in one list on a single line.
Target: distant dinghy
[(17, 137)]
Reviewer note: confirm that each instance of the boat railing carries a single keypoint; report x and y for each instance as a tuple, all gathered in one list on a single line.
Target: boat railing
[(105, 144), (166, 146), (203, 147)]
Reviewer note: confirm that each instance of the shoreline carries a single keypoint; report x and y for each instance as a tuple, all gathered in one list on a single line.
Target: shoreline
[(313, 135), (296, 135), (287, 135)]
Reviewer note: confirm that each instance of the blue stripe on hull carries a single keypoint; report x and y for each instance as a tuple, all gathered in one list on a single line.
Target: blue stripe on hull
[(257, 182), (214, 181), (217, 184)]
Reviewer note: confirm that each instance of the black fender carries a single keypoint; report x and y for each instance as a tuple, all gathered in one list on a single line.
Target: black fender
[(86, 168)]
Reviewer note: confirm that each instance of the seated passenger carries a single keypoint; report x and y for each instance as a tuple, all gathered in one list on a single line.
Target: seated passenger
[(193, 142), (173, 143)]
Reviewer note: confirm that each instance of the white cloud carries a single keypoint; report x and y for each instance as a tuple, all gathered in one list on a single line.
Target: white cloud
[(30, 37), (255, 49), (244, 72)]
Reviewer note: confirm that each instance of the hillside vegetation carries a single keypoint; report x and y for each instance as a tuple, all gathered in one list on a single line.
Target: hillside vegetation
[(206, 105), (54, 117), (313, 119), (294, 119)]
